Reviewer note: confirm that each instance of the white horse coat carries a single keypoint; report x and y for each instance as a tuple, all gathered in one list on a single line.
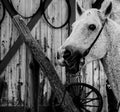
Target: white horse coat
[(106, 48)]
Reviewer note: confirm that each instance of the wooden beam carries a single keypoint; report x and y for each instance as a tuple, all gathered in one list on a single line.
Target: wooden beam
[(73, 14), (34, 65), (14, 109), (19, 40), (72, 20), (45, 65)]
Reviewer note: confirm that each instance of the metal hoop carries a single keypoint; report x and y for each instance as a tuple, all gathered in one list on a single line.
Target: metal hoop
[(3, 16), (10, 1), (69, 15)]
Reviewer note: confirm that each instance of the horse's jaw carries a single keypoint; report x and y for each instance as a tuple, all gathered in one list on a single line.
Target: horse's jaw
[(77, 64), (111, 61)]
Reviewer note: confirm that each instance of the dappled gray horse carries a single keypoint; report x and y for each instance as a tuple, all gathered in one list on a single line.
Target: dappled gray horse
[(94, 36)]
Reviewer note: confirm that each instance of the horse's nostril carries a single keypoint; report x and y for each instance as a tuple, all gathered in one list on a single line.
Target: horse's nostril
[(67, 54)]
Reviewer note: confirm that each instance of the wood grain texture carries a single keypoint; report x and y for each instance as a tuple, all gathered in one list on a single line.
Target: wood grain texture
[(46, 66), (50, 40)]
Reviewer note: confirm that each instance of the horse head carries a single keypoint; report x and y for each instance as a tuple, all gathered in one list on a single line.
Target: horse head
[(82, 43)]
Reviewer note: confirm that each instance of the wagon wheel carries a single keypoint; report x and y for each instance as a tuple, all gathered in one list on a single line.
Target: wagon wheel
[(85, 97)]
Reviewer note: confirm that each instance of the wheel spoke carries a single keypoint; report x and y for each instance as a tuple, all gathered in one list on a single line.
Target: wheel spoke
[(88, 93), (85, 97), (90, 99)]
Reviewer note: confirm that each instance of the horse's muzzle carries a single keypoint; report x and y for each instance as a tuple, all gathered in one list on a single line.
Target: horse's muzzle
[(70, 59)]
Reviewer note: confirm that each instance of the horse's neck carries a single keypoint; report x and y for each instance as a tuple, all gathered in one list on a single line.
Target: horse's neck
[(111, 61), (112, 31)]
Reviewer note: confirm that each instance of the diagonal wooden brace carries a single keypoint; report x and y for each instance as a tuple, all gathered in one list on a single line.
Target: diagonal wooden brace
[(45, 65), (19, 40)]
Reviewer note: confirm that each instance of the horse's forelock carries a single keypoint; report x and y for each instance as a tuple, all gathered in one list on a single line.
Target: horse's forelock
[(101, 16)]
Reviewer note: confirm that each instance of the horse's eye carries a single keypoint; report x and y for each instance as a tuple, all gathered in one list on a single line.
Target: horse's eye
[(92, 27)]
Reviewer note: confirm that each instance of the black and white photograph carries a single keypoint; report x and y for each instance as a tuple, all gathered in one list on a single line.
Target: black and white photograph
[(59, 55)]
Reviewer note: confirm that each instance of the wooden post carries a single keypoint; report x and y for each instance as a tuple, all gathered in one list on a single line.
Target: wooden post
[(35, 79), (72, 20), (73, 15), (45, 65)]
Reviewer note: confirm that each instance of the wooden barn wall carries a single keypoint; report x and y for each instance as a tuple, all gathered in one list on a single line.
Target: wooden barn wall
[(18, 70)]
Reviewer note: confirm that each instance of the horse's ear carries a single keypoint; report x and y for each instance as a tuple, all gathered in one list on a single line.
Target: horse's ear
[(79, 9), (108, 9)]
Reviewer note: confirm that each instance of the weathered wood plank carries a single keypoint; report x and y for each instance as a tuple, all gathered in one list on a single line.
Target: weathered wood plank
[(51, 40), (45, 65), (64, 35), (19, 69)]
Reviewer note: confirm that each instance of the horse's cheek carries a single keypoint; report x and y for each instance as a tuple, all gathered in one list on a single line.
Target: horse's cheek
[(100, 51), (96, 53), (100, 47)]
